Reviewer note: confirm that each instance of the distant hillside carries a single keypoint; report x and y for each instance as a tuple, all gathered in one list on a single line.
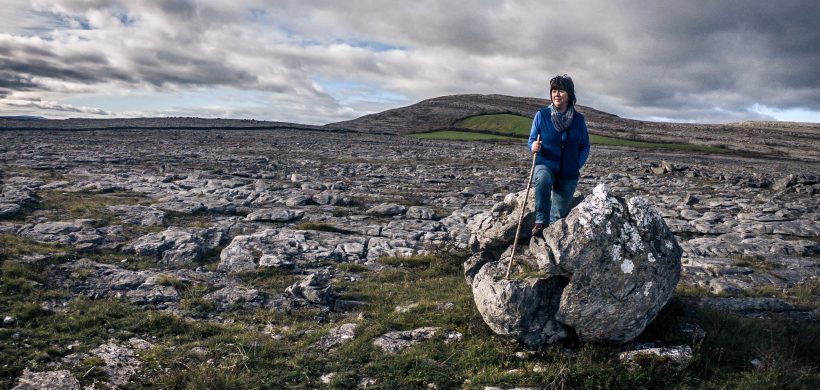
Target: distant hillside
[(150, 123), (444, 112), (774, 139)]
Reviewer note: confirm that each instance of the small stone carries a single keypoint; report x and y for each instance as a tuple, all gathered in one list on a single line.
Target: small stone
[(678, 356), (8, 320), (327, 378), (394, 342)]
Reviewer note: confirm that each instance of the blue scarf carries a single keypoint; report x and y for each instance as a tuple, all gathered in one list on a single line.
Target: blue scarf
[(561, 121)]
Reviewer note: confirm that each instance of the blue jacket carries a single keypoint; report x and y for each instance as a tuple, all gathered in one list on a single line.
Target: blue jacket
[(563, 153)]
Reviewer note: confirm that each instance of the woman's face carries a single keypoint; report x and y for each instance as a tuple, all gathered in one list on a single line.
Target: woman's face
[(560, 99)]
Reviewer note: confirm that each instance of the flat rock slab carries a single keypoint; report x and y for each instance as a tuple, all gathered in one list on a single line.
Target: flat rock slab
[(337, 336), (121, 361), (53, 380), (275, 215), (139, 215), (395, 342), (178, 246), (387, 209), (678, 356)]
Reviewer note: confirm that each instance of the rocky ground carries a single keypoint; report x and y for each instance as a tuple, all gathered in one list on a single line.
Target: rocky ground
[(198, 226)]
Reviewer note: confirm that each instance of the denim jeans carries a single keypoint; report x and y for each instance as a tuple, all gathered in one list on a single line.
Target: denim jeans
[(552, 197)]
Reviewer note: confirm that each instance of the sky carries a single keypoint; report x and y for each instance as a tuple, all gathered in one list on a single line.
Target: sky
[(322, 61)]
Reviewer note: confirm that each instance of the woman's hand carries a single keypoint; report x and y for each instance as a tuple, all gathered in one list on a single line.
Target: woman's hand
[(536, 146)]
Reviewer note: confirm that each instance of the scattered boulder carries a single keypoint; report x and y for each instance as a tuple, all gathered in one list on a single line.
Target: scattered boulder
[(604, 272), (395, 342), (314, 288)]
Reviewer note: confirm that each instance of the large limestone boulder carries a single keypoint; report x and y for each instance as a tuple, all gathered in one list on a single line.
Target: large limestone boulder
[(604, 272)]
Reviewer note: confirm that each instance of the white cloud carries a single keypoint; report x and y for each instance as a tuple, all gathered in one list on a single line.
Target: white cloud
[(50, 106), (632, 58)]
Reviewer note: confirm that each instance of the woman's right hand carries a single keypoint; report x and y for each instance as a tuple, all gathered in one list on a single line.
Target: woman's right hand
[(536, 146)]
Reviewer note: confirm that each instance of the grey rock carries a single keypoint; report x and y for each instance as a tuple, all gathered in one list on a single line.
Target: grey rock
[(420, 212), (79, 233), (522, 309), (121, 362), (297, 200), (52, 380), (177, 246), (337, 336), (283, 248), (384, 246), (331, 198), (314, 288), (235, 295), (395, 342), (620, 260), (678, 357), (493, 231), (387, 209), (8, 320), (9, 209), (275, 215), (139, 215)]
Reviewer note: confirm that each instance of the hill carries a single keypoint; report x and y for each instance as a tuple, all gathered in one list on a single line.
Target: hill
[(444, 112), (773, 139)]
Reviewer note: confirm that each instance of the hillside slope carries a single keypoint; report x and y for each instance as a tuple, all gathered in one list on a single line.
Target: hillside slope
[(443, 112), (774, 139)]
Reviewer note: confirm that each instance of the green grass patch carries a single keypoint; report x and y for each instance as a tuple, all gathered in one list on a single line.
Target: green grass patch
[(13, 246), (244, 353), (82, 205), (500, 123), (757, 262), (516, 127)]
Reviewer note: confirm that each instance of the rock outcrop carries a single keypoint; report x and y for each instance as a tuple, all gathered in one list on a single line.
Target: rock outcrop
[(604, 272)]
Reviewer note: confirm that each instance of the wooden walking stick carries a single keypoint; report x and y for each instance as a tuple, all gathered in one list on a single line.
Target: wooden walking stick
[(523, 208)]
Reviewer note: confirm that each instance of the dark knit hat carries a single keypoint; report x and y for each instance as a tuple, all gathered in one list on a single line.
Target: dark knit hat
[(564, 82)]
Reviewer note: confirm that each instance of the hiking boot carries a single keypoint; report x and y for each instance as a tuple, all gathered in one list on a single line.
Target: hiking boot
[(537, 229)]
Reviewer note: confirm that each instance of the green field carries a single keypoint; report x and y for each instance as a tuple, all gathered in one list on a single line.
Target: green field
[(509, 127), (498, 123)]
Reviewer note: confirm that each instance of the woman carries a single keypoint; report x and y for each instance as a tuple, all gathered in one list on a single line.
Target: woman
[(561, 152)]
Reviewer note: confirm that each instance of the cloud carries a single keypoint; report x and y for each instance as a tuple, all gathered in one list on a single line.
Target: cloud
[(693, 61), (50, 106)]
